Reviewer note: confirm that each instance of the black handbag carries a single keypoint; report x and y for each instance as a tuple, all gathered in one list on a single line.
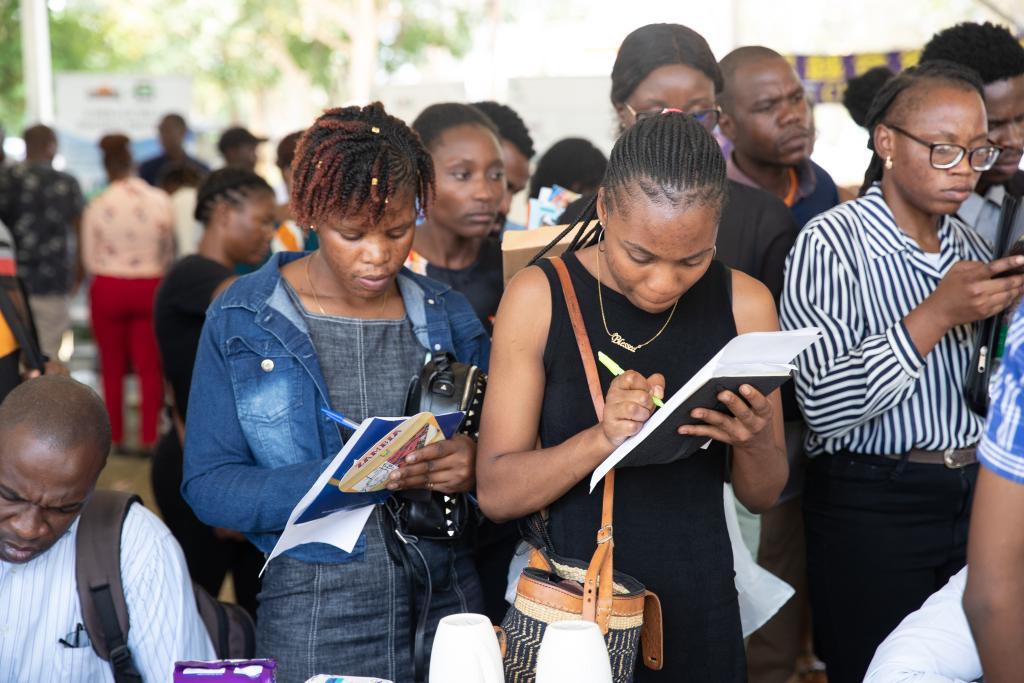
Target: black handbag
[(990, 334), (444, 385)]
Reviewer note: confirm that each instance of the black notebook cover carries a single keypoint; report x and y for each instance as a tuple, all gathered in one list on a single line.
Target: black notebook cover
[(665, 445)]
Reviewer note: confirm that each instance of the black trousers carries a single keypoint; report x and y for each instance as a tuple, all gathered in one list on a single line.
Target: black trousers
[(209, 558), (882, 535)]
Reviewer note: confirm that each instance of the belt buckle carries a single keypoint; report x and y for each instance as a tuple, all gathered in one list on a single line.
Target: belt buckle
[(955, 459)]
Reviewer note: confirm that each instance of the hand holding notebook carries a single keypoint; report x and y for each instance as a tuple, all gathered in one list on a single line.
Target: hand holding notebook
[(759, 359)]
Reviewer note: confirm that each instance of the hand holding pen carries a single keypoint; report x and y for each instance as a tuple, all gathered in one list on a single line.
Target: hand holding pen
[(630, 401)]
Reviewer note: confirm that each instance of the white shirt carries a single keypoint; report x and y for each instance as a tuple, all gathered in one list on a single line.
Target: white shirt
[(932, 645), (39, 605)]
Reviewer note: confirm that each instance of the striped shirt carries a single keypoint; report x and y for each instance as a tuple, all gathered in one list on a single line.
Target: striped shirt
[(1002, 448), (39, 606), (864, 387)]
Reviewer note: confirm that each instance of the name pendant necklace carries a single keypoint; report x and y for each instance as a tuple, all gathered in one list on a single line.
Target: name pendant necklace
[(615, 337)]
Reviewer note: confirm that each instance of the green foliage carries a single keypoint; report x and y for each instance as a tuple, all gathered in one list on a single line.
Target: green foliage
[(231, 48)]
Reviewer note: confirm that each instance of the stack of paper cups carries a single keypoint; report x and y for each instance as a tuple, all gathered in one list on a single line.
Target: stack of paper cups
[(573, 652), (466, 651)]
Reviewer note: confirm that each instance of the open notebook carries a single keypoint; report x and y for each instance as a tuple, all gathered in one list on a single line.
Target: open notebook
[(760, 359)]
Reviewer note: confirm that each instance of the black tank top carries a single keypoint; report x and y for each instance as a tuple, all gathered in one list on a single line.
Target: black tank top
[(670, 530)]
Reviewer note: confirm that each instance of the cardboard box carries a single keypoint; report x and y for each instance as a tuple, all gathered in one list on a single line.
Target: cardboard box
[(519, 246)]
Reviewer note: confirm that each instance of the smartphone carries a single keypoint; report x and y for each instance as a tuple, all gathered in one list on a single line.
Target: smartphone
[(1016, 250)]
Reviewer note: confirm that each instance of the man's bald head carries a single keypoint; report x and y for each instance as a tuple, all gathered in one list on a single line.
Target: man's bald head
[(54, 438), (40, 143), (736, 60), (64, 414), (765, 111)]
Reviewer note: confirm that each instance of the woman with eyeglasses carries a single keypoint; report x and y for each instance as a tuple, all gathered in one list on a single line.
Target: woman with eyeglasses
[(670, 67), (897, 283)]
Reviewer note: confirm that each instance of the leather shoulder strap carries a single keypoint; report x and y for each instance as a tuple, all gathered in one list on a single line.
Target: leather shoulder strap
[(597, 593), (98, 573)]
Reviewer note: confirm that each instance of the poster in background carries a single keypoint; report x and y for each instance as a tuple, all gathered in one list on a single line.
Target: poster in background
[(89, 106)]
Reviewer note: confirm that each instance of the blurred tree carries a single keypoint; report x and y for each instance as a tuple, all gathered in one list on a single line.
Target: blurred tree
[(238, 50)]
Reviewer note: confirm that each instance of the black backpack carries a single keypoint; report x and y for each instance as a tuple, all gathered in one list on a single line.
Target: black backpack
[(104, 611)]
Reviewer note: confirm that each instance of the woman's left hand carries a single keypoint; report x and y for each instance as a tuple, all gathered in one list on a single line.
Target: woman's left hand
[(448, 466), (749, 426)]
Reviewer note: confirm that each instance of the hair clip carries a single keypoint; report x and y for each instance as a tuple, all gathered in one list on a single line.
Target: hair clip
[(320, 163), (373, 182), (375, 130)]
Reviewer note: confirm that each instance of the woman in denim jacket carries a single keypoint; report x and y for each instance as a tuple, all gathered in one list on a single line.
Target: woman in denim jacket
[(344, 327)]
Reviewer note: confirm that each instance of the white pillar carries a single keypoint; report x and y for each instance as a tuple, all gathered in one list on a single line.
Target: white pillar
[(36, 65)]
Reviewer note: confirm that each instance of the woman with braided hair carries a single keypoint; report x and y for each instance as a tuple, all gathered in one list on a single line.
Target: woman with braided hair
[(654, 298), (454, 243), (344, 327), (236, 210)]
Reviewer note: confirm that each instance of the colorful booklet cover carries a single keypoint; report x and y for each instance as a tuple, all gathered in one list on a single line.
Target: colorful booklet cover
[(335, 509)]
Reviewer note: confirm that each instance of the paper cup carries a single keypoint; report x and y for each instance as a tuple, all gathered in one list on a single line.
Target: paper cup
[(466, 651), (573, 652)]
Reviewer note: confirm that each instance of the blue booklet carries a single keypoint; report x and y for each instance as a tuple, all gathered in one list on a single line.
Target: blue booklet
[(335, 509)]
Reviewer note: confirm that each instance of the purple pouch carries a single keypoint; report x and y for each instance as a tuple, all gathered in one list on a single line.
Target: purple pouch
[(226, 671)]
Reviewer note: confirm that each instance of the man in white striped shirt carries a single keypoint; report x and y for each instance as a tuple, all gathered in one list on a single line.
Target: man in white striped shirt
[(896, 284), (54, 439)]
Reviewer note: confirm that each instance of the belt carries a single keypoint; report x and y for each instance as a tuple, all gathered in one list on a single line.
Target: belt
[(953, 458)]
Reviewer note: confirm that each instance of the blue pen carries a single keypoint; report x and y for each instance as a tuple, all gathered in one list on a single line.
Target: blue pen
[(340, 419)]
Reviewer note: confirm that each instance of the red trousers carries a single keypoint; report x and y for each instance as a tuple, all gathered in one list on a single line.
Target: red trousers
[(122, 322)]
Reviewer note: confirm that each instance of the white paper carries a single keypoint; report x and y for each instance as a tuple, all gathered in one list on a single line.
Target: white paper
[(748, 354), (760, 593)]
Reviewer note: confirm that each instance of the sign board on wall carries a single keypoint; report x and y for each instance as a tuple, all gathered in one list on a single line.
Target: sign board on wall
[(89, 106)]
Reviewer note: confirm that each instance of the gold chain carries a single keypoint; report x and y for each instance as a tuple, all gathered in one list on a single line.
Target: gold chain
[(615, 337), (316, 299)]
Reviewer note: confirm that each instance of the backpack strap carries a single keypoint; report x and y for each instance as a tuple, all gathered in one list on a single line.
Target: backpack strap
[(98, 573)]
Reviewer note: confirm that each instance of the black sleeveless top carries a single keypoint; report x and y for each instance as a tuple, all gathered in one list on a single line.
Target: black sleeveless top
[(670, 530)]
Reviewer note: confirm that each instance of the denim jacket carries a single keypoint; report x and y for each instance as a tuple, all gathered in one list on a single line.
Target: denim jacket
[(256, 439)]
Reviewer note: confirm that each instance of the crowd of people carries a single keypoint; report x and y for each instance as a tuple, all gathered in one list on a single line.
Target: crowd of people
[(714, 222)]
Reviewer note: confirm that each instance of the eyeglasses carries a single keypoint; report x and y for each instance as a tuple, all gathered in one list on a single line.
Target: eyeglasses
[(946, 155), (705, 117)]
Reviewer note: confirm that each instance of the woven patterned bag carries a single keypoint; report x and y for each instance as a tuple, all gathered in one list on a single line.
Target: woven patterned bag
[(552, 588)]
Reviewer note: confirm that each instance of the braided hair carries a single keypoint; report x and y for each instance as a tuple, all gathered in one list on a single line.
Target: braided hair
[(669, 158), (231, 185), (510, 125), (654, 46), (895, 96), (436, 119), (352, 158)]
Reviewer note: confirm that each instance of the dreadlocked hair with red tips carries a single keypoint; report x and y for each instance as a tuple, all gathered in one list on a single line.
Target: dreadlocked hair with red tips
[(354, 159)]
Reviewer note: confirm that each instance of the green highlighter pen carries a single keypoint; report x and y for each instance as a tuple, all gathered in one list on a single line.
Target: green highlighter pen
[(614, 368)]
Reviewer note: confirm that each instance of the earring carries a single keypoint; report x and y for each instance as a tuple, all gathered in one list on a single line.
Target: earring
[(313, 228), (888, 163), (601, 246)]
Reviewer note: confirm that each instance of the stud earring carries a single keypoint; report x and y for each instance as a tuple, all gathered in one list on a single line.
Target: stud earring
[(888, 163)]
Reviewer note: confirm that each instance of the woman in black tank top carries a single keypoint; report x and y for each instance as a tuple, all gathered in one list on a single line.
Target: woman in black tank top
[(652, 284)]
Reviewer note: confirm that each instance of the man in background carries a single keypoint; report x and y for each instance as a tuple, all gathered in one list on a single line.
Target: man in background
[(238, 147), (42, 207), (767, 117), (173, 130), (998, 58)]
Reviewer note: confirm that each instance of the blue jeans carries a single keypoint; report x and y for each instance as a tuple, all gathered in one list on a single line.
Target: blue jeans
[(354, 618)]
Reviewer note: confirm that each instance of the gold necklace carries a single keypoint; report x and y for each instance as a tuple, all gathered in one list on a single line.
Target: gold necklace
[(617, 338), (316, 299)]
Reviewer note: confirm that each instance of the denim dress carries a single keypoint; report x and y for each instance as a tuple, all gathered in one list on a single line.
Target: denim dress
[(255, 441), (361, 622)]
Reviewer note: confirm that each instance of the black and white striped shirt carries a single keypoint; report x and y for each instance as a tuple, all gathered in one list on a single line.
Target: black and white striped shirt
[(864, 387)]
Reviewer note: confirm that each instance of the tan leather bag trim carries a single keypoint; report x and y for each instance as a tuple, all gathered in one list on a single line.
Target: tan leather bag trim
[(652, 644)]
